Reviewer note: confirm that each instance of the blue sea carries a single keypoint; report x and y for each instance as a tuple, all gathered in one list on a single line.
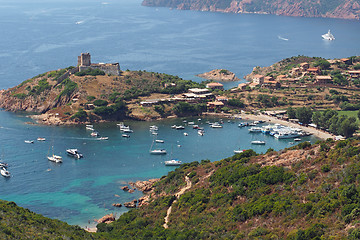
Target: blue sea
[(43, 35)]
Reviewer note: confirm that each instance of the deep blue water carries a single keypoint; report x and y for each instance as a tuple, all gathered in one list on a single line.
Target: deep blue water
[(39, 36)]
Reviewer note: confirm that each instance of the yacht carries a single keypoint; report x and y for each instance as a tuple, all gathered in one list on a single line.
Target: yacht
[(2, 164), (255, 130), (297, 139), (159, 141), (179, 127), (29, 141), (158, 151), (41, 139), (4, 172), (239, 151), (284, 135), (257, 142), (94, 134), (103, 138), (74, 153), (328, 36), (186, 134), (216, 125), (125, 135), (201, 132), (154, 128), (173, 162), (55, 158)]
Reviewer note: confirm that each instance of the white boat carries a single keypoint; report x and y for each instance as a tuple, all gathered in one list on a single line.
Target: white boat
[(29, 141), (4, 172), (179, 127), (74, 153), (173, 162), (90, 128), (158, 151), (55, 158), (154, 128), (125, 135), (239, 151), (2, 164), (186, 134), (94, 134), (191, 123), (257, 142), (127, 130), (201, 132), (286, 134), (159, 141), (297, 139), (328, 36), (173, 126), (216, 125), (41, 139), (89, 125), (154, 133), (255, 130), (103, 138)]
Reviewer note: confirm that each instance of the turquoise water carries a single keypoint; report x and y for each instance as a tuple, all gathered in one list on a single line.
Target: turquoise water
[(39, 36)]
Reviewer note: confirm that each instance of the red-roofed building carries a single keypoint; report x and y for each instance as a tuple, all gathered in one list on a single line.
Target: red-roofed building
[(323, 79), (355, 73), (259, 79), (314, 70), (215, 85)]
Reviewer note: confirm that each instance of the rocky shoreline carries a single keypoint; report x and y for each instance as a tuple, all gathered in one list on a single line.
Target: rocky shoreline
[(221, 75)]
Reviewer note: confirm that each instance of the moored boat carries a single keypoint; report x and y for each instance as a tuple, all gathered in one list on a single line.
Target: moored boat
[(239, 151), (257, 142), (158, 151), (74, 153), (255, 130), (29, 141), (125, 135), (159, 141), (41, 139), (55, 158), (4, 172), (328, 36), (173, 162)]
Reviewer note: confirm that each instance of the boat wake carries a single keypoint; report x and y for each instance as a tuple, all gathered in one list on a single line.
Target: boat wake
[(79, 22), (284, 39)]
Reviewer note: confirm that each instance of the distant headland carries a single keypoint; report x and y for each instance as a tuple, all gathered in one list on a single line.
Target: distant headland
[(345, 9)]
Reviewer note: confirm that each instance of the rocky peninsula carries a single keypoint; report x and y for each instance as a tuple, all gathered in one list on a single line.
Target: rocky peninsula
[(221, 75)]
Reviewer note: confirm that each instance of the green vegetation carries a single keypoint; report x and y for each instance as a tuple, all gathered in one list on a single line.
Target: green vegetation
[(69, 88), (234, 102), (100, 102), (43, 85), (20, 223), (91, 72), (116, 111), (56, 74), (81, 115), (20, 95), (187, 109)]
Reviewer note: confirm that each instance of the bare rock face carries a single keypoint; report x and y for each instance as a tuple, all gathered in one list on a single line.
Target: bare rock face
[(145, 186), (117, 204), (219, 75)]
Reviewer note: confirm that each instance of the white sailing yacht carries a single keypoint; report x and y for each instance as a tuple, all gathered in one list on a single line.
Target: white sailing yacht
[(328, 36)]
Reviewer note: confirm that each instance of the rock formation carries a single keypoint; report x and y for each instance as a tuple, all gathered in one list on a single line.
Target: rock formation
[(219, 75)]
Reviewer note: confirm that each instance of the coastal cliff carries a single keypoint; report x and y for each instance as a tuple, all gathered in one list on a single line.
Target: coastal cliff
[(221, 75), (346, 9)]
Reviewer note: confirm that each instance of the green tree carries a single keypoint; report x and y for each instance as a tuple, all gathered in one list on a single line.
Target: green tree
[(291, 113), (304, 115)]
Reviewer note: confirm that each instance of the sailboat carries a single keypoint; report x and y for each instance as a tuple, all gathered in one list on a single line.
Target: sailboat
[(53, 157), (156, 151)]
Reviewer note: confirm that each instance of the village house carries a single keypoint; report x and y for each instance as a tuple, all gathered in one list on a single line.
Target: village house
[(259, 79), (221, 99), (295, 72), (270, 82), (304, 66), (201, 93), (242, 86), (213, 105), (321, 80), (215, 85), (354, 73), (314, 70)]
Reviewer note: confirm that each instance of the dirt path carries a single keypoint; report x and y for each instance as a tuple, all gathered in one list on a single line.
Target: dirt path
[(177, 195)]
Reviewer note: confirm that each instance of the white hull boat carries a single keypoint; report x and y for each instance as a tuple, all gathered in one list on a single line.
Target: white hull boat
[(173, 162), (258, 142), (4, 172)]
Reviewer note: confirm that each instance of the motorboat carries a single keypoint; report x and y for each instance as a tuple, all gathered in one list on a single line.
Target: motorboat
[(186, 134), (4, 172), (255, 130), (239, 151), (94, 134), (201, 132), (173, 162), (74, 153), (173, 126), (179, 127), (191, 123), (159, 141), (195, 126), (154, 128), (89, 125), (328, 36), (297, 139), (125, 135), (2, 164), (103, 138), (286, 134), (257, 142), (89, 128), (29, 141), (158, 151), (41, 139), (127, 130), (55, 158), (216, 125)]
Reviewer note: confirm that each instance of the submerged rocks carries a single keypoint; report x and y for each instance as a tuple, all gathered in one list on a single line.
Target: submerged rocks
[(117, 204), (125, 188)]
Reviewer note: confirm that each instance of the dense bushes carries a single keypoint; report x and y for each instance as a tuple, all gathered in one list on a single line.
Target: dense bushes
[(116, 111), (187, 109), (91, 72)]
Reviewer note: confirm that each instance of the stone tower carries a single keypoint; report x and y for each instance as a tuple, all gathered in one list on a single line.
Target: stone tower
[(84, 59)]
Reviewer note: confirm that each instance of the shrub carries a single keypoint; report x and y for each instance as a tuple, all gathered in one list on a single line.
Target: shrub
[(100, 102)]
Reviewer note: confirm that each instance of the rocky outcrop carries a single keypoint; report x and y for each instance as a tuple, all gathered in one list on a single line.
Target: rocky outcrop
[(131, 204), (117, 204), (144, 186), (221, 75), (348, 9), (106, 219)]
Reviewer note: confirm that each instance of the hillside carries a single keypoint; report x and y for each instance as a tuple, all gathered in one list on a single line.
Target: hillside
[(20, 223), (305, 192), (65, 98), (347, 9)]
